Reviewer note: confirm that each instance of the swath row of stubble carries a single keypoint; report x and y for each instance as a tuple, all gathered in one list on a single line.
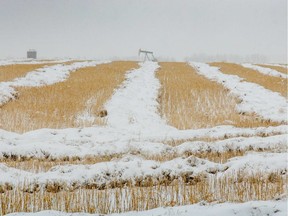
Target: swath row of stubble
[(237, 187), (277, 68), (190, 101), (36, 165), (10, 72), (58, 105), (275, 84)]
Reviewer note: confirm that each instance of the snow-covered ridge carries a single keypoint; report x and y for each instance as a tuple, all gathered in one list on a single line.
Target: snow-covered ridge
[(264, 70), (255, 208), (134, 106), (273, 143), (40, 77), (255, 99), (87, 147), (138, 171)]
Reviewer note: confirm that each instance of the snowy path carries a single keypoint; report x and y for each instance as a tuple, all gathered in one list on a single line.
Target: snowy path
[(134, 105), (266, 71), (255, 99), (41, 77)]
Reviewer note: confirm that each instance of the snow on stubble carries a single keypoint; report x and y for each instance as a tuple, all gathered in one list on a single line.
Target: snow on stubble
[(32, 61), (57, 148), (133, 168), (87, 116), (264, 70), (40, 77), (6, 93), (277, 65), (52, 74), (134, 106), (255, 99), (255, 208)]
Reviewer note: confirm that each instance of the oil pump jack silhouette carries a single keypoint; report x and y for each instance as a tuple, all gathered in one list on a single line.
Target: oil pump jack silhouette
[(148, 55)]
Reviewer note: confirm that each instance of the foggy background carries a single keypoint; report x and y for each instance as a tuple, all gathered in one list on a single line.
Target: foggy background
[(199, 30)]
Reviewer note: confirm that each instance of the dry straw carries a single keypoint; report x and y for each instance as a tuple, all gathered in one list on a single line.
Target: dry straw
[(277, 68), (272, 83), (10, 72), (237, 187), (59, 105), (189, 100)]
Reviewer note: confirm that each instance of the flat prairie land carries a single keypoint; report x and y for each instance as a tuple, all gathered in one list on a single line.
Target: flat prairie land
[(182, 142)]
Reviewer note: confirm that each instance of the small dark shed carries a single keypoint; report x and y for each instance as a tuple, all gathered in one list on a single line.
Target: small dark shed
[(32, 54)]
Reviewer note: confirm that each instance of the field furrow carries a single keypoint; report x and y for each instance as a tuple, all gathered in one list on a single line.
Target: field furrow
[(265, 70), (59, 105), (100, 142), (280, 68), (10, 72), (136, 171), (253, 98), (189, 100), (275, 84), (41, 77), (42, 158)]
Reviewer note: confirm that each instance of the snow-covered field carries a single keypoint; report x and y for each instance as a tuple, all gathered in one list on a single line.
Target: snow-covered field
[(31, 61), (269, 105), (135, 137), (266, 71), (41, 77)]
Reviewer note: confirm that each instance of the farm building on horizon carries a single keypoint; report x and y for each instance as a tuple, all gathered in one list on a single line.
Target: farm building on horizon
[(32, 54)]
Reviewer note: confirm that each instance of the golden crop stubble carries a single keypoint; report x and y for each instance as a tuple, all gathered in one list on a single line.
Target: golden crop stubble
[(10, 72), (190, 101), (277, 68), (272, 83), (37, 165), (236, 187), (57, 106)]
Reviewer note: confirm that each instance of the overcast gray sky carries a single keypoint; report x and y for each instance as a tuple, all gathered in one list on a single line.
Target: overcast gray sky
[(118, 28)]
